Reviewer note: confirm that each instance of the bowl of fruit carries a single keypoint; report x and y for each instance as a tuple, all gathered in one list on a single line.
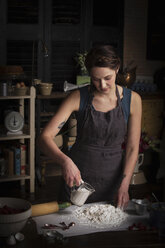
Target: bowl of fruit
[(14, 213), (20, 89)]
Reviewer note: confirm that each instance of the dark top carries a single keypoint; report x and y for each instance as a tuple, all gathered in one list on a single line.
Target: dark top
[(84, 98)]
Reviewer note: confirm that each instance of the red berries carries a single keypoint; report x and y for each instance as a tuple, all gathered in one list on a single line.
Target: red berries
[(8, 210)]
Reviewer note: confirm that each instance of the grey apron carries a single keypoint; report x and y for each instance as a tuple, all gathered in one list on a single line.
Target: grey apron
[(98, 152)]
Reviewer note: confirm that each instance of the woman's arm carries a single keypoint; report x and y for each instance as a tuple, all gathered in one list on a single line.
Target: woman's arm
[(70, 171), (132, 148)]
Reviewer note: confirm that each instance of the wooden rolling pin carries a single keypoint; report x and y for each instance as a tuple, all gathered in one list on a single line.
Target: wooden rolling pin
[(48, 208)]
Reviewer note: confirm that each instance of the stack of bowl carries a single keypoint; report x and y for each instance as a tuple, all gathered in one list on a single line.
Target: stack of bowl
[(45, 88)]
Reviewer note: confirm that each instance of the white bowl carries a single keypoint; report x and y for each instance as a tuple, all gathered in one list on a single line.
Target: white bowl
[(14, 223)]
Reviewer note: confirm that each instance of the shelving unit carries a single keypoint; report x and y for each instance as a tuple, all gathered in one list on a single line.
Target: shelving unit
[(44, 116), (153, 107), (27, 136)]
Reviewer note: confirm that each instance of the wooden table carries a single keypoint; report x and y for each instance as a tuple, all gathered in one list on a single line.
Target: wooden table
[(113, 239)]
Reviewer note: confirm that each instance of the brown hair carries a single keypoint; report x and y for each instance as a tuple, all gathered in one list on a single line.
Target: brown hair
[(102, 56)]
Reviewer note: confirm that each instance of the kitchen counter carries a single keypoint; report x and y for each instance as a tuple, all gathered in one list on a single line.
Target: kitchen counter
[(80, 236), (112, 239)]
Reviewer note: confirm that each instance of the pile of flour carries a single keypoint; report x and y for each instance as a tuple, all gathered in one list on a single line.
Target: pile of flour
[(100, 215)]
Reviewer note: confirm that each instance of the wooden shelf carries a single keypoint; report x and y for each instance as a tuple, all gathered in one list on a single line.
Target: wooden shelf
[(15, 137), (14, 97), (43, 117), (14, 178), (54, 95), (29, 134)]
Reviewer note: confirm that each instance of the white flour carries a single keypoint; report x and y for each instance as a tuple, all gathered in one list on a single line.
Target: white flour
[(100, 215)]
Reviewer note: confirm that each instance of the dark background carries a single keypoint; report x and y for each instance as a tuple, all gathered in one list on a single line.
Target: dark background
[(66, 27)]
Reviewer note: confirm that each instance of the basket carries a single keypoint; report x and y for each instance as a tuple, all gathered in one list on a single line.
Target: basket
[(22, 91)]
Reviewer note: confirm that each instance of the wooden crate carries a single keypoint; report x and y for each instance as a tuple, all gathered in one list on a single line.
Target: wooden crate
[(152, 116)]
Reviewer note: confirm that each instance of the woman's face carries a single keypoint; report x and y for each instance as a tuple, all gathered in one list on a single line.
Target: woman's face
[(103, 78)]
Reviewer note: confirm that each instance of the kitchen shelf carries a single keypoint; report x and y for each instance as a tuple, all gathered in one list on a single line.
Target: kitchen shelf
[(42, 117), (14, 97), (54, 95), (17, 137), (15, 178), (47, 114), (28, 135)]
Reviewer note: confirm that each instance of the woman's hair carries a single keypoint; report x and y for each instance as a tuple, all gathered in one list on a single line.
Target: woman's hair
[(102, 56)]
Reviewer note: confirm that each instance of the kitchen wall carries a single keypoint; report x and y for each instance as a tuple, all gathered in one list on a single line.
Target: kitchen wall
[(135, 38)]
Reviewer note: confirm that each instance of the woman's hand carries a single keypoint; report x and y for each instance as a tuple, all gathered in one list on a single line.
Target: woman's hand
[(122, 197), (71, 173)]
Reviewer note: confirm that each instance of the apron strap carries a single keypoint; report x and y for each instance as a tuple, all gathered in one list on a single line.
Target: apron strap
[(118, 97)]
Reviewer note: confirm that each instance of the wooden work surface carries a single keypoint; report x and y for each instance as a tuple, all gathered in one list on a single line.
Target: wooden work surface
[(113, 239)]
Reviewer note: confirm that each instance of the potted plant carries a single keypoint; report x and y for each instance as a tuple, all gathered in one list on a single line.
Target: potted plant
[(82, 77)]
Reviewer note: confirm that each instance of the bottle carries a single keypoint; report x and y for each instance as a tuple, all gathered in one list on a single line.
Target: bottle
[(4, 89)]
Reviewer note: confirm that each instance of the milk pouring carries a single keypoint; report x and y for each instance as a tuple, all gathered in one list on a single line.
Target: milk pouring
[(80, 194)]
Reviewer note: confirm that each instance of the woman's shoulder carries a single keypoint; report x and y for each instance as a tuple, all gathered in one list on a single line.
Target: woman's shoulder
[(136, 102), (72, 100), (78, 97), (74, 94), (125, 92), (136, 96), (131, 101)]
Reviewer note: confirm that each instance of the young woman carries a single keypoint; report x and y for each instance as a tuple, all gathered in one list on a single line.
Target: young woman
[(106, 114)]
